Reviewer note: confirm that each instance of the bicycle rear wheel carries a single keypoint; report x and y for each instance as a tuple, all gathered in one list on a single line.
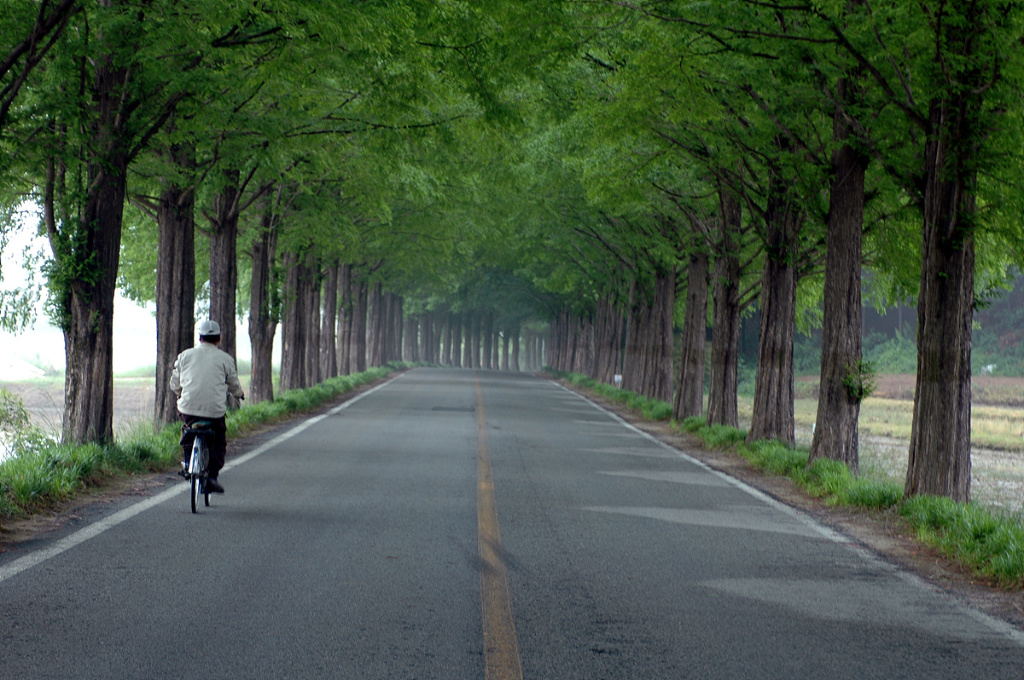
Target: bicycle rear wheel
[(197, 486)]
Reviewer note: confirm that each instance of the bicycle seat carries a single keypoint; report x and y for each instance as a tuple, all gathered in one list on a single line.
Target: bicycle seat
[(199, 427)]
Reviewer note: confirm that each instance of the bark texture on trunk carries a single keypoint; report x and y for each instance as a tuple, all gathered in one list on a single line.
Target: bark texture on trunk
[(311, 310), (411, 349), (264, 309), (88, 301), (725, 338), (647, 361), (608, 329), (458, 328), (223, 261), (689, 398), (293, 325), (376, 321), (345, 311), (836, 433), (328, 324), (175, 284), (514, 363), (940, 437), (773, 416), (360, 292)]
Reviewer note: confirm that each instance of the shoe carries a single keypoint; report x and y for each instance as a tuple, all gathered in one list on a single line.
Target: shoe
[(212, 486), (183, 472)]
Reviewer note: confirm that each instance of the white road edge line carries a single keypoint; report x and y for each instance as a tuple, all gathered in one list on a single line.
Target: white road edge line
[(96, 528), (997, 625)]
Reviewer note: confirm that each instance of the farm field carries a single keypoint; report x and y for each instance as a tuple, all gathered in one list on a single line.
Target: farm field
[(997, 433)]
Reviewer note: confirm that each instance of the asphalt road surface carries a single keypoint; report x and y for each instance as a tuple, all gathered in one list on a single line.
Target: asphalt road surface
[(464, 524)]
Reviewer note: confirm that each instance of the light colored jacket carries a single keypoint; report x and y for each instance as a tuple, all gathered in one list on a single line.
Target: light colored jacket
[(203, 377)]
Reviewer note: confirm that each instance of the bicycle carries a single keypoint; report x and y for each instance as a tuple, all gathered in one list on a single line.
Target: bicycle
[(198, 463)]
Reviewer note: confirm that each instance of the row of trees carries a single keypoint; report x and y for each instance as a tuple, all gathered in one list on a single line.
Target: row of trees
[(760, 153), (422, 180), (260, 151)]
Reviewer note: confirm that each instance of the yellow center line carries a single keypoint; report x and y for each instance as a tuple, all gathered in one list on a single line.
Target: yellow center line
[(501, 645)]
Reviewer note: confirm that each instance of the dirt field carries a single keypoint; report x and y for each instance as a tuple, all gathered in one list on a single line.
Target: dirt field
[(44, 399)]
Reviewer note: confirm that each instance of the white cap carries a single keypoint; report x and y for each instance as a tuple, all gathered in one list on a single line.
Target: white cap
[(209, 328)]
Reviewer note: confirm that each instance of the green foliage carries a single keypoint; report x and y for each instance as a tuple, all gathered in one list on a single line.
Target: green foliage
[(13, 415), (891, 355), (859, 380)]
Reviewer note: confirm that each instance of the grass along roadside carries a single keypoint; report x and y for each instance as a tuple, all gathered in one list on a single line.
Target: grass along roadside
[(43, 472), (987, 542)]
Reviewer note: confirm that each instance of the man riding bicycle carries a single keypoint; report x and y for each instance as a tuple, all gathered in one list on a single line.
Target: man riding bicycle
[(203, 377)]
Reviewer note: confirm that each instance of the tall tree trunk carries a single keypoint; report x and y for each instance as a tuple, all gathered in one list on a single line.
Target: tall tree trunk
[(632, 353), (451, 341), (467, 346), (360, 292), (223, 260), (495, 345), (658, 373), (689, 398), (487, 333), (311, 309), (773, 416), (608, 328), (940, 437), (411, 349), (397, 327), (505, 340), (175, 283), (427, 337), (328, 324), (836, 432), (264, 308), (647, 364), (458, 329), (293, 330), (514, 363), (345, 315), (87, 302), (725, 339), (375, 326)]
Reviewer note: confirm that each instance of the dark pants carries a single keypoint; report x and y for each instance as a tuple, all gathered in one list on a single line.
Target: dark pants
[(218, 447)]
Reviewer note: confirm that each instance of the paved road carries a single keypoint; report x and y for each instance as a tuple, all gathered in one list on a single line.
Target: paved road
[(458, 525)]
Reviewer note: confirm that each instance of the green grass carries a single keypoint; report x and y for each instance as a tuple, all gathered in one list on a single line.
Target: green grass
[(649, 409), (44, 472), (991, 545)]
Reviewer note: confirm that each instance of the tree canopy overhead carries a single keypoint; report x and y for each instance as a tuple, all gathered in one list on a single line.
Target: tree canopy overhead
[(619, 170)]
